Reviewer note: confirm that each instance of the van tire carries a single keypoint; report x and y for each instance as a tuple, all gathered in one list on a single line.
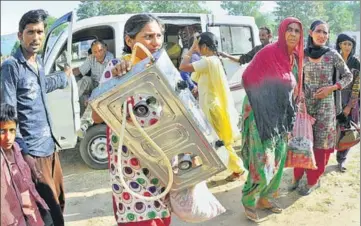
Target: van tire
[(93, 147)]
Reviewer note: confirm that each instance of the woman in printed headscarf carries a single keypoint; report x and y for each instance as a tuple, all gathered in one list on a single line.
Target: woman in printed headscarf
[(324, 73), (271, 82), (346, 46)]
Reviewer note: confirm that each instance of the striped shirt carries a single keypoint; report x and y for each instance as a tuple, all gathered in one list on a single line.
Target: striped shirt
[(95, 67)]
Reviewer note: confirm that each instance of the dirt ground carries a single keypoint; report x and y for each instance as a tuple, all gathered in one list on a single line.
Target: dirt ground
[(337, 202)]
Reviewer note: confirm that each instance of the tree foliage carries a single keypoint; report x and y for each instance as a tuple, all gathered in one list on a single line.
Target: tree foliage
[(249, 8), (175, 7), (15, 47), (98, 8), (341, 16), (302, 10), (240, 8)]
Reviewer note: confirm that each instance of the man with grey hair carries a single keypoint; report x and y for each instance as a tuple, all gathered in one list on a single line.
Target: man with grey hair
[(95, 63)]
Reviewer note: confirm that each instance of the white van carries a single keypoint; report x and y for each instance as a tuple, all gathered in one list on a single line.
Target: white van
[(67, 41)]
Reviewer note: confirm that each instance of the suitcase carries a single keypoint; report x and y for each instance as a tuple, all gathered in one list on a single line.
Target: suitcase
[(167, 111)]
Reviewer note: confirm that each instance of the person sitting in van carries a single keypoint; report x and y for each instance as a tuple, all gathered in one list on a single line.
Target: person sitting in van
[(95, 63), (265, 36)]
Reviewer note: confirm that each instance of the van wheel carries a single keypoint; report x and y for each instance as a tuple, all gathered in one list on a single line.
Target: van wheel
[(93, 147)]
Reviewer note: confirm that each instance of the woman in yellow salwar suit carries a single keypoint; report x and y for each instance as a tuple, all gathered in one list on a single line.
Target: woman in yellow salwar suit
[(214, 95)]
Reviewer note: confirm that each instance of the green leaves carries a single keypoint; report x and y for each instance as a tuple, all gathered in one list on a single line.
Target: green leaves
[(98, 8)]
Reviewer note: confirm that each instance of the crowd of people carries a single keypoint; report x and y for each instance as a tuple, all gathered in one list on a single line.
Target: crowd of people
[(278, 74)]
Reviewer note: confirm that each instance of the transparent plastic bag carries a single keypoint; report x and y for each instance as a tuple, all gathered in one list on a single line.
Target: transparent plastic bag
[(196, 204), (300, 144)]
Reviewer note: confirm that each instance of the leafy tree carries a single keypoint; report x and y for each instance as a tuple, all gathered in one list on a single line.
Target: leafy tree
[(249, 8), (239, 8), (354, 7), (97, 8), (306, 12), (50, 20), (175, 7), (15, 47), (340, 17)]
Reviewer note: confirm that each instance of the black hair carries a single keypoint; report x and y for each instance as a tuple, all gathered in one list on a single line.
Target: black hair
[(33, 17), (210, 40), (266, 29), (8, 113), (135, 24), (312, 28)]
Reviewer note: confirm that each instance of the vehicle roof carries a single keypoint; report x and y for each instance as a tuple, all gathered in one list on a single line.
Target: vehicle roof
[(103, 20)]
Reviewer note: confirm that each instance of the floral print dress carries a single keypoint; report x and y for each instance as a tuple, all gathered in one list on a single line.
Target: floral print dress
[(126, 207), (318, 75)]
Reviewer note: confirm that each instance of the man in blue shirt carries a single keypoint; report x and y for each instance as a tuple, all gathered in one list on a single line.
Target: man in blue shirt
[(24, 86)]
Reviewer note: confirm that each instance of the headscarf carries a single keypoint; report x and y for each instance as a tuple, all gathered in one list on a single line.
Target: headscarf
[(352, 62), (345, 37), (269, 84), (312, 50), (274, 60)]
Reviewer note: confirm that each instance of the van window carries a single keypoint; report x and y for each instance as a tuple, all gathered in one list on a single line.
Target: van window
[(236, 40), (80, 50)]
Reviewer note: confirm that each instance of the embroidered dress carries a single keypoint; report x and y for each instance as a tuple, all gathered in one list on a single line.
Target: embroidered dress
[(317, 75)]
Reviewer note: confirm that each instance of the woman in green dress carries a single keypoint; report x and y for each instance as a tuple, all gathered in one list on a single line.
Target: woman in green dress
[(270, 81)]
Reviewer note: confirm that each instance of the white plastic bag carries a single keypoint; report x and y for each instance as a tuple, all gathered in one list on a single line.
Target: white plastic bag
[(195, 204), (223, 155)]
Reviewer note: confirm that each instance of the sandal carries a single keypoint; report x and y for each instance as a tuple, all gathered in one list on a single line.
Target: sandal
[(268, 204), (251, 214), (234, 177)]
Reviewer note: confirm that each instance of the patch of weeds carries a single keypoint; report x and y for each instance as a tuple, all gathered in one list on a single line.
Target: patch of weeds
[(319, 207), (349, 206), (353, 195)]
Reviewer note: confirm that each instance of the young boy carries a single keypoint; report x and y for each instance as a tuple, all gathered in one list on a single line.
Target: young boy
[(20, 202)]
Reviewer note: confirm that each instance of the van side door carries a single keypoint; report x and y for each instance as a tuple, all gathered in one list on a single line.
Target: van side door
[(63, 103)]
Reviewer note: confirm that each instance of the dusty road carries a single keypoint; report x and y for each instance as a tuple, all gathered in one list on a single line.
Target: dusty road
[(336, 203)]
